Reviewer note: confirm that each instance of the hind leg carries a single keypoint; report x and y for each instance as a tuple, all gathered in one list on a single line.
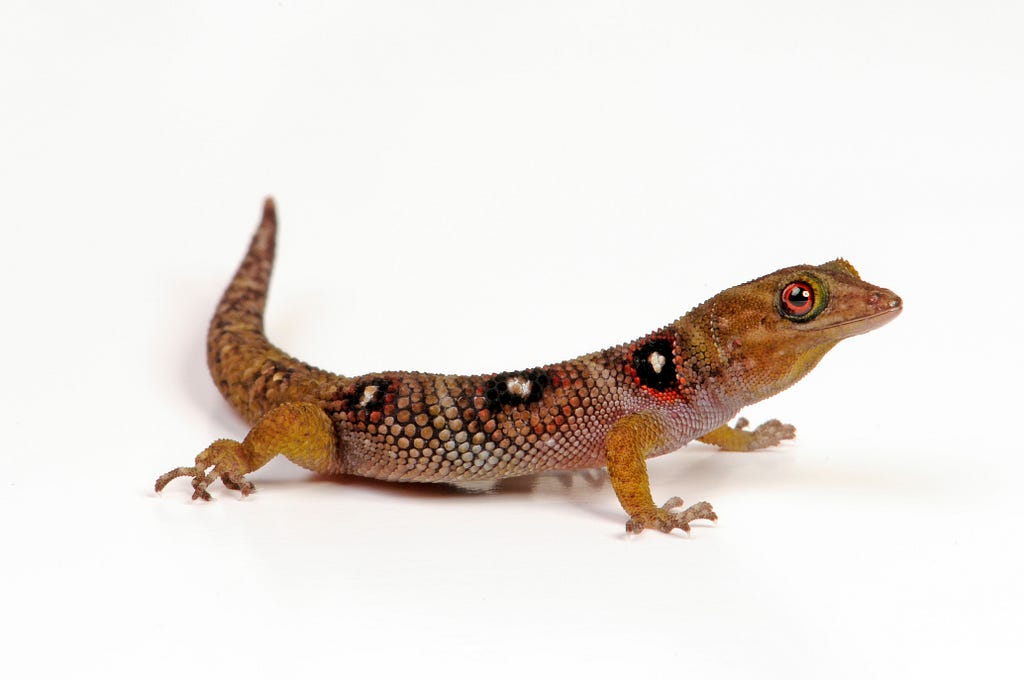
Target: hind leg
[(301, 431)]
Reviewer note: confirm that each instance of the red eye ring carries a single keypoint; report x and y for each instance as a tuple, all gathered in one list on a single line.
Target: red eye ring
[(797, 298)]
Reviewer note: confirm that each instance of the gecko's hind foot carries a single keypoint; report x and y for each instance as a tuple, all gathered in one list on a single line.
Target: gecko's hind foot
[(224, 459), (664, 519), (237, 483)]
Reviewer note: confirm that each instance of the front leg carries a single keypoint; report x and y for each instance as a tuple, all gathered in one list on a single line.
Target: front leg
[(770, 433), (628, 444)]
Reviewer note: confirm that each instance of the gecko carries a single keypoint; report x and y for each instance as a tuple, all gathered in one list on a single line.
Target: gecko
[(613, 408)]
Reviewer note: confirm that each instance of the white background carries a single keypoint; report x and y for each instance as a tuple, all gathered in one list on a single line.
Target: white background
[(477, 186)]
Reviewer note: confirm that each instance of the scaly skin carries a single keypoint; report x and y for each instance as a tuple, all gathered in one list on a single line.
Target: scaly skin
[(613, 408)]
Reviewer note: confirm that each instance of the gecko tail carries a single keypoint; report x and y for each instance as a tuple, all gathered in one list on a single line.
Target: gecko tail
[(253, 375), (241, 307), (236, 343)]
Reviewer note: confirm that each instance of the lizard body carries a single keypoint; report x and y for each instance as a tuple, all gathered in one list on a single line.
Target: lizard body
[(611, 408)]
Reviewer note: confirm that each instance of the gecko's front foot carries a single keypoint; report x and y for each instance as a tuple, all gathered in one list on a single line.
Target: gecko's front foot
[(225, 459), (738, 438), (664, 519), (769, 433)]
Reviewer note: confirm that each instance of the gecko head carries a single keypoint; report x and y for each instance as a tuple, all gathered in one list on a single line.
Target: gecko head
[(829, 303), (776, 328)]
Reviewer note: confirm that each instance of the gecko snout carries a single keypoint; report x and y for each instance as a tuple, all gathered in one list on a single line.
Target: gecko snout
[(881, 301)]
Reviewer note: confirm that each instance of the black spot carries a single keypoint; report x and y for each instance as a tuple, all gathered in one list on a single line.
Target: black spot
[(375, 402), (641, 362), (497, 393)]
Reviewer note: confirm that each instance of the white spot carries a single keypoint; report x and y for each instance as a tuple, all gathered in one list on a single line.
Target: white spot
[(519, 386), (657, 361), (368, 394)]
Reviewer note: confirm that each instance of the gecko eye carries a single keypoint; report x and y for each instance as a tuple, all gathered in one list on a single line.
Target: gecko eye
[(797, 299)]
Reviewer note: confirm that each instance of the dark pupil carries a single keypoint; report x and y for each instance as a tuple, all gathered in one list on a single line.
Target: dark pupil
[(799, 296)]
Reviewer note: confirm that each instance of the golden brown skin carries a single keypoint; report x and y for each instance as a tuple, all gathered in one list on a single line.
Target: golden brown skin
[(613, 408)]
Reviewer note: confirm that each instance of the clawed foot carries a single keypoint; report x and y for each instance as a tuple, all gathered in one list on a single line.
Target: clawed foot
[(768, 433), (663, 519), (201, 479), (224, 459)]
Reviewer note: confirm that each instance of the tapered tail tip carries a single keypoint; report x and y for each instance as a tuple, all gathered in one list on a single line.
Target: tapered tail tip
[(269, 210)]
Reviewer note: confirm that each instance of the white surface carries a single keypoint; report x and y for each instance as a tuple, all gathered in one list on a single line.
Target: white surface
[(467, 187)]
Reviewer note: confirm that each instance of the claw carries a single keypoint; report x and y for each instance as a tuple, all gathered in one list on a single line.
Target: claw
[(237, 482), (665, 520), (672, 503), (199, 483), (223, 460), (771, 433)]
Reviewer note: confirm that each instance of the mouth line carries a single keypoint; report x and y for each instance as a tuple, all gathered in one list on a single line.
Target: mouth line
[(893, 310)]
